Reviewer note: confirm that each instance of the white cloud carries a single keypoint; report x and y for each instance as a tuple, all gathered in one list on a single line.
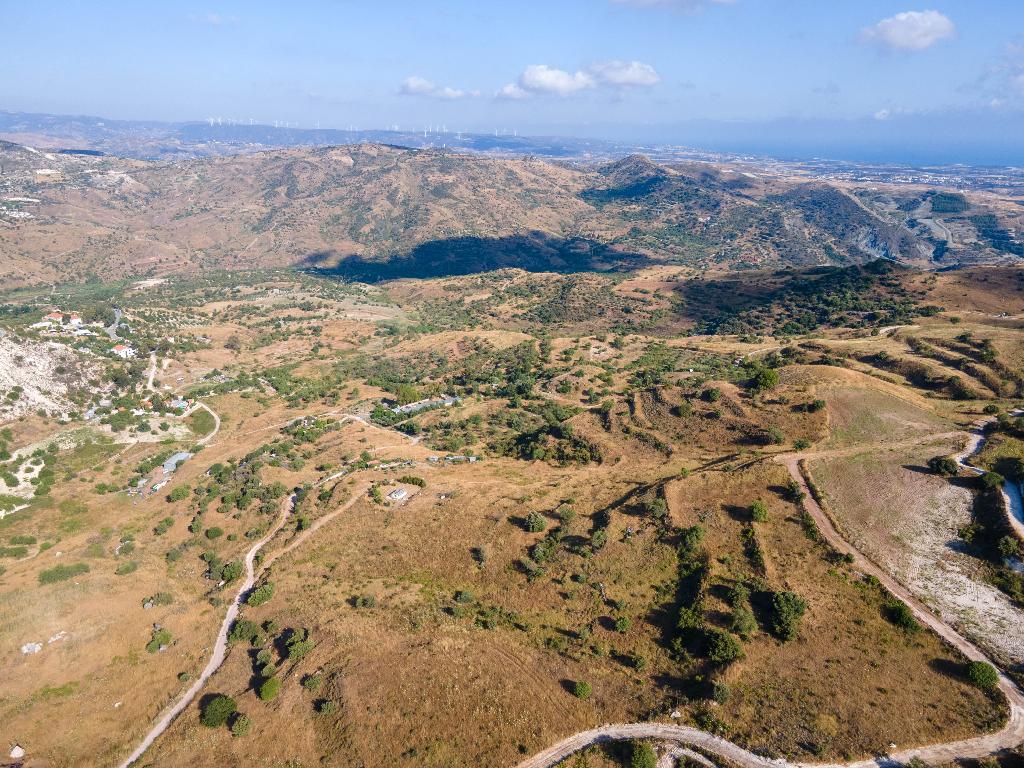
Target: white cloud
[(543, 80), (512, 91), (910, 30), (420, 86), (883, 114), (540, 78), (626, 73)]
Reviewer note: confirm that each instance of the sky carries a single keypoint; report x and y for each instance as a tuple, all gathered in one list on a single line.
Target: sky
[(634, 69)]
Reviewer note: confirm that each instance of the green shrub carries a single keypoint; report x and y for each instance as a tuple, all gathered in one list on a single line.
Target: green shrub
[(269, 689), (723, 648), (742, 622), (180, 494), (161, 638), (983, 675), (163, 526), (943, 465), (816, 405), (241, 725), (125, 568), (991, 481), (313, 682), (642, 755), (899, 613), (243, 629), (23, 540), (787, 611), (13, 552), (261, 594), (325, 707), (759, 511), (622, 624), (536, 522), (214, 532), (62, 573), (582, 690), (217, 710)]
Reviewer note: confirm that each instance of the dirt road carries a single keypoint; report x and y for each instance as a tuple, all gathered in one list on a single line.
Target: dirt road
[(1009, 736), (220, 646)]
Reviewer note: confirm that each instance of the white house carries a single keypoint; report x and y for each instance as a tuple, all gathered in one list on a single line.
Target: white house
[(123, 351)]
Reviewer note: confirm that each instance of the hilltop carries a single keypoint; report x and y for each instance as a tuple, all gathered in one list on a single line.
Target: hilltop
[(374, 211)]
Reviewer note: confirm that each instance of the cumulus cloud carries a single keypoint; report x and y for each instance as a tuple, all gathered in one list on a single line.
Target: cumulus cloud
[(544, 80), (540, 78), (910, 31), (512, 91), (420, 86), (626, 73)]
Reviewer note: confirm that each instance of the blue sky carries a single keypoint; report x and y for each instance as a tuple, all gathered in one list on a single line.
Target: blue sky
[(569, 66)]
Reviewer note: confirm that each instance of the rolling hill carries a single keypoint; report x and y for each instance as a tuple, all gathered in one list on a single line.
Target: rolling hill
[(376, 211)]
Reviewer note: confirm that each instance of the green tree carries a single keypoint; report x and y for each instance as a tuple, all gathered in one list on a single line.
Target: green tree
[(787, 611), (764, 379), (269, 689), (582, 689), (178, 494), (642, 755), (723, 648), (983, 675), (1009, 547), (742, 622), (943, 465), (536, 522), (217, 710)]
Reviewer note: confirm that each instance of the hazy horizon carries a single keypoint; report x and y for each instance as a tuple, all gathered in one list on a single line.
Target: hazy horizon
[(939, 83)]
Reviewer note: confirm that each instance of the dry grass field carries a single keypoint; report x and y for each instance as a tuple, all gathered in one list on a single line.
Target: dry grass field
[(585, 513)]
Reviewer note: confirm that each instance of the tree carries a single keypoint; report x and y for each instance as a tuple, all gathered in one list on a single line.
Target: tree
[(787, 611), (622, 624), (178, 494), (723, 648), (742, 622), (217, 710), (1009, 547), (983, 675), (261, 594), (991, 481), (535, 522), (642, 756), (764, 379), (943, 465), (581, 689), (406, 393), (269, 689)]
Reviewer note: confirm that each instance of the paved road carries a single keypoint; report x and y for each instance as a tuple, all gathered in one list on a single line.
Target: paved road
[(1009, 736)]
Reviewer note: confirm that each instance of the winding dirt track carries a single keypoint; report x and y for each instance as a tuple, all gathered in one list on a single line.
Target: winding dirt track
[(220, 646), (1009, 736)]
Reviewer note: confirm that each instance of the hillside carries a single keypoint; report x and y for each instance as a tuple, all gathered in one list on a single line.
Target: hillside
[(376, 211)]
